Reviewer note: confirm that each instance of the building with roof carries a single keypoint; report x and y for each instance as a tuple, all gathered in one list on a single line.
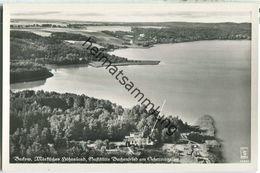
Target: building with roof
[(138, 139)]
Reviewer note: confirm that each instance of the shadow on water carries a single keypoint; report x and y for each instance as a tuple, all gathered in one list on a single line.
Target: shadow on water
[(27, 85)]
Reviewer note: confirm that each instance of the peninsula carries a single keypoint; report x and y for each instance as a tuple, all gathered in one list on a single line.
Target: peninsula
[(43, 43), (143, 62)]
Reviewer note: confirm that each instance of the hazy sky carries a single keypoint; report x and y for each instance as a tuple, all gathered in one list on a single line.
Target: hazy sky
[(126, 13), (126, 1)]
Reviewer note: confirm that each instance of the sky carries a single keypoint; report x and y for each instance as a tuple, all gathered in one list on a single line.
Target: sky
[(125, 1), (127, 13)]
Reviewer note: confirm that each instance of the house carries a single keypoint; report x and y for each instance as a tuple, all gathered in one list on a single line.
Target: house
[(137, 139), (128, 39)]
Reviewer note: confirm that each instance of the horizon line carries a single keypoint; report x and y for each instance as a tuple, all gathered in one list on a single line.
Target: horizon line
[(63, 20)]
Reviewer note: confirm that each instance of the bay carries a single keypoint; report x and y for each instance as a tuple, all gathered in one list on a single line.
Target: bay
[(195, 78)]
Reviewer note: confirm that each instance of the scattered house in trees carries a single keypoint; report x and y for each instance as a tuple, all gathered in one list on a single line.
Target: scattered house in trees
[(128, 39), (141, 36)]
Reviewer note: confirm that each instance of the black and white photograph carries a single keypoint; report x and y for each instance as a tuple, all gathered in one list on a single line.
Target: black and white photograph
[(130, 84)]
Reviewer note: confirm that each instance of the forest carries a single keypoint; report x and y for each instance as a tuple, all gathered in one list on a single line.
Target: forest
[(52, 50), (53, 124), (27, 71), (185, 32), (30, 52)]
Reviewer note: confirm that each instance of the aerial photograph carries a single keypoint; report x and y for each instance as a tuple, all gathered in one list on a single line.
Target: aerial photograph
[(127, 84)]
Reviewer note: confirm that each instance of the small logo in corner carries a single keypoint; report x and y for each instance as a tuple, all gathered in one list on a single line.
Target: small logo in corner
[(244, 153)]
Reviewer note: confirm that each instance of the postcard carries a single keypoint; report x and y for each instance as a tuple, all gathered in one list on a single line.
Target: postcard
[(130, 86)]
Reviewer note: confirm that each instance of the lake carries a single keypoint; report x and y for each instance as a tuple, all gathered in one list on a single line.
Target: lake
[(195, 78), (108, 28)]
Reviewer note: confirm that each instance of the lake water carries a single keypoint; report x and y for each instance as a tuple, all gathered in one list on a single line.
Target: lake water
[(195, 78), (109, 28)]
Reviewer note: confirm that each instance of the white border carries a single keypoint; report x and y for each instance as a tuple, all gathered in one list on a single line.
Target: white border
[(253, 8)]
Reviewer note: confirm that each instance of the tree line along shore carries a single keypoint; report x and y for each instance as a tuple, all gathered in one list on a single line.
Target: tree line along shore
[(50, 124)]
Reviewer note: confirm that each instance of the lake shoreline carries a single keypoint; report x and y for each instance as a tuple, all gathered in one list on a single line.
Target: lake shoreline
[(46, 76), (98, 64)]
